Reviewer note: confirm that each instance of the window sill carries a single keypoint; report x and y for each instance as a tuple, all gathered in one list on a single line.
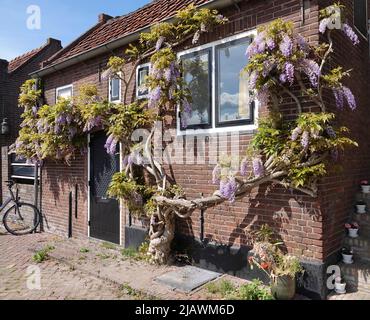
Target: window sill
[(244, 129)]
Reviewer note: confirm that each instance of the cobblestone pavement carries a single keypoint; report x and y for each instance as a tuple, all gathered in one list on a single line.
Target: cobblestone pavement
[(59, 281)]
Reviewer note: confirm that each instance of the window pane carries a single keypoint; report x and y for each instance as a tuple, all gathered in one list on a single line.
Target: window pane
[(65, 93), (142, 74), (196, 68), (360, 16), (115, 87), (20, 171), (232, 86)]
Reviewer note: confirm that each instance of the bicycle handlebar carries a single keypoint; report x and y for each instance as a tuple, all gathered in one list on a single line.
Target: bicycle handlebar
[(10, 183)]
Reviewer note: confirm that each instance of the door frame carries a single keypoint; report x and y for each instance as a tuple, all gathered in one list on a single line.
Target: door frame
[(89, 192)]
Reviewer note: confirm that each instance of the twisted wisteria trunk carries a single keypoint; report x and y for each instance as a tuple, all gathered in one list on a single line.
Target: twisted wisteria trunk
[(162, 233)]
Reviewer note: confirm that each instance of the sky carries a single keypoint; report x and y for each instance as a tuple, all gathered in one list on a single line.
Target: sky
[(60, 19)]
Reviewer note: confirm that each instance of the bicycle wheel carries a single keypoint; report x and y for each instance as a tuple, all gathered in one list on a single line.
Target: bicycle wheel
[(21, 219)]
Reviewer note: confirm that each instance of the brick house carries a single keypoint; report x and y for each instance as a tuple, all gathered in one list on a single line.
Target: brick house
[(12, 75), (311, 228)]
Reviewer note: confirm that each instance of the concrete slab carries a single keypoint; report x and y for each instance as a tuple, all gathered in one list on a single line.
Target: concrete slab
[(187, 279)]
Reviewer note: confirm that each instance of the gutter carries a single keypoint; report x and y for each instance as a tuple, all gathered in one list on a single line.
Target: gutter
[(114, 44)]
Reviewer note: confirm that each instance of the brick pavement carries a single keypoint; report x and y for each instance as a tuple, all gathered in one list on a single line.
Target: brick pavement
[(58, 281), (83, 269)]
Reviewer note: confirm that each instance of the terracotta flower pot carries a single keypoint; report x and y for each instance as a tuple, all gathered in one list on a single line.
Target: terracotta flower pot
[(283, 287)]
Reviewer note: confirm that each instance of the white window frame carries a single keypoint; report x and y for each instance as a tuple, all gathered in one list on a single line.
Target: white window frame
[(119, 90), (365, 36), (15, 164), (214, 129), (138, 96), (69, 86)]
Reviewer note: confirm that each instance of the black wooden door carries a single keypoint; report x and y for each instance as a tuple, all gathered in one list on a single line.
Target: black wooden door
[(104, 211)]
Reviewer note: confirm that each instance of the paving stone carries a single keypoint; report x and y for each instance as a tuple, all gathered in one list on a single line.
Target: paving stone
[(187, 279)]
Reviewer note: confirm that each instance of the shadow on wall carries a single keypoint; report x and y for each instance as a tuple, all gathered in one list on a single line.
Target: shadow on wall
[(277, 207), (57, 182)]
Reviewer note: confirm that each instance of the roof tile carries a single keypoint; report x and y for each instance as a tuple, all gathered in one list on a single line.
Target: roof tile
[(122, 26)]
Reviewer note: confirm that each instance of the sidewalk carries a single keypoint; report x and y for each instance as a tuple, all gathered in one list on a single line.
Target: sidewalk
[(73, 263), (86, 269)]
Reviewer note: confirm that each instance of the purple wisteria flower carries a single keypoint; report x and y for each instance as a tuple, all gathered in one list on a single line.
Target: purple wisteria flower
[(295, 133), (96, 122), (270, 42), (253, 77), (216, 174), (350, 34), (350, 98), (257, 46), (305, 140), (339, 98), (323, 25), (340, 94), (258, 168), (263, 95), (244, 167), (156, 73), (268, 65), (289, 72), (228, 188), (159, 43), (312, 70), (283, 78), (302, 43), (186, 113), (286, 46), (111, 145), (154, 96), (330, 132), (72, 131)]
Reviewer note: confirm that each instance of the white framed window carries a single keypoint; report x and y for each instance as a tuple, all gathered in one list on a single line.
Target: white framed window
[(20, 169), (65, 92), (360, 17), (219, 87), (142, 72), (114, 89)]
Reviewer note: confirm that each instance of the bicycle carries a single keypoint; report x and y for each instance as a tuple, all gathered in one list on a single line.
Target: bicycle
[(21, 218)]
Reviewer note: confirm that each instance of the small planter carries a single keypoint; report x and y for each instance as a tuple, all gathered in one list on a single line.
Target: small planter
[(283, 287), (353, 233), (347, 258), (340, 286), (365, 189), (361, 208)]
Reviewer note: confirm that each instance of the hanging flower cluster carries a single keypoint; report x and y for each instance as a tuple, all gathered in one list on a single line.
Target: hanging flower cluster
[(275, 55), (50, 131)]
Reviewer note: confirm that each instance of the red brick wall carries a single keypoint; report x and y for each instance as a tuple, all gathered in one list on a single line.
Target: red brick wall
[(296, 217), (338, 196), (9, 91)]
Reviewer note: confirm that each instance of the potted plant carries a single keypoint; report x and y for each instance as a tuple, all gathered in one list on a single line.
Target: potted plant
[(340, 285), (361, 207), (347, 256), (365, 186), (281, 268), (352, 229)]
